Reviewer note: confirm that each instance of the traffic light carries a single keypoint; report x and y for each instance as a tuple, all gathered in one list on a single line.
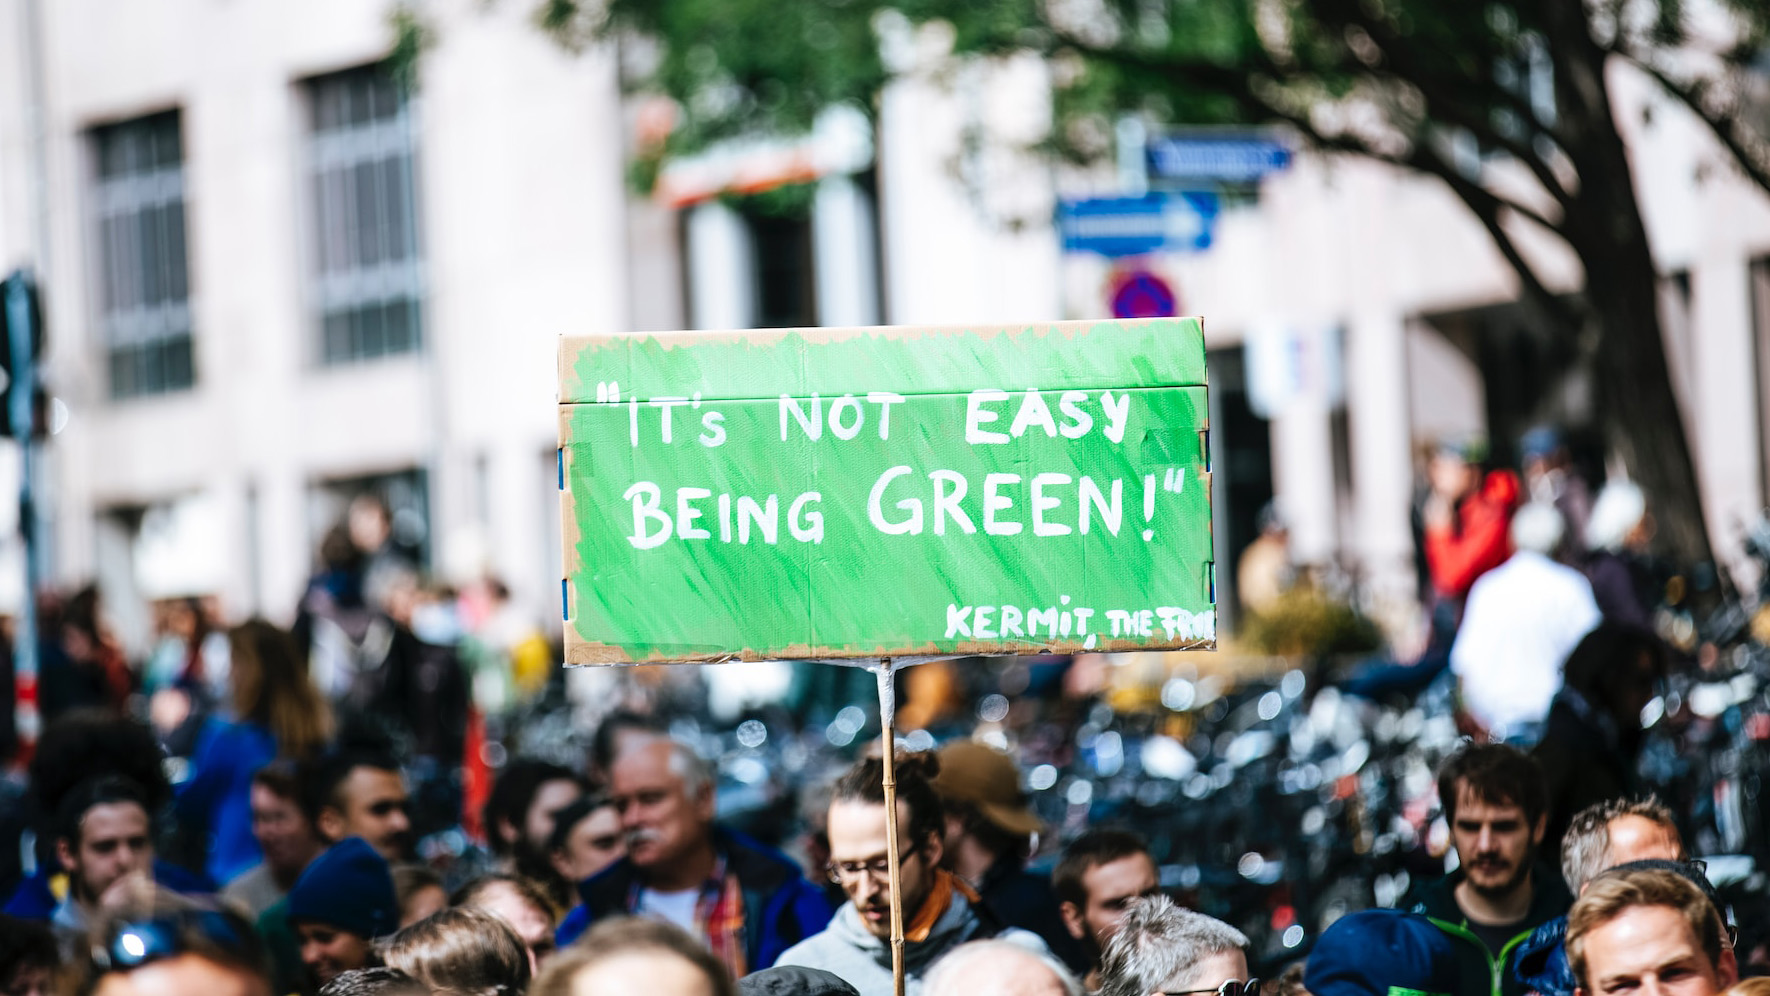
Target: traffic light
[(21, 313)]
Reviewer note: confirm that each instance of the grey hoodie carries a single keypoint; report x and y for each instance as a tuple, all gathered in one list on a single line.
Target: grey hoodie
[(846, 948)]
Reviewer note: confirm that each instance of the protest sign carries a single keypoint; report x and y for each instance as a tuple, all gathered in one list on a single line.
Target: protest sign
[(885, 492)]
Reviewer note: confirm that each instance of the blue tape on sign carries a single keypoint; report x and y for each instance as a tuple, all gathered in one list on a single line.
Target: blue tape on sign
[(559, 461), (565, 604), (1211, 572)]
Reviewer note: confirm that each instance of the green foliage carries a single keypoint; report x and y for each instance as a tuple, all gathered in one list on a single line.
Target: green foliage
[(1305, 623), (411, 37)]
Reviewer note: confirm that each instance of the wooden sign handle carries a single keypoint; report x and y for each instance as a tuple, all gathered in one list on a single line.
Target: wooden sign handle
[(887, 703)]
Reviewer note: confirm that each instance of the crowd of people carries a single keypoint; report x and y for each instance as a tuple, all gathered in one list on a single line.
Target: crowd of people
[(633, 885)]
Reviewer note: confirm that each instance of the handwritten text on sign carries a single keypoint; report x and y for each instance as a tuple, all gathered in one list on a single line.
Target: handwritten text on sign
[(871, 492)]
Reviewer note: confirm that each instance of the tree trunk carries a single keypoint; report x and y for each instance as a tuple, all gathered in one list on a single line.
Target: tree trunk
[(1603, 224)]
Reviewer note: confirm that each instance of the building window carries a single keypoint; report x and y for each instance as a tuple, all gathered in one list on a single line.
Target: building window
[(1760, 301), (144, 297), (786, 293), (367, 265)]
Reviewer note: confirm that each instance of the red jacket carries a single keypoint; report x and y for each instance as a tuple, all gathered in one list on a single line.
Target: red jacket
[(1480, 539)]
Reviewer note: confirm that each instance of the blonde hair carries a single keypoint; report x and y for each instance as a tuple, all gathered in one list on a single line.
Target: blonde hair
[(461, 950), (1616, 891), (1757, 986)]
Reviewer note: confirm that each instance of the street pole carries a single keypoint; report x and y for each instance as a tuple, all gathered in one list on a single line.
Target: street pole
[(20, 394), (888, 741)]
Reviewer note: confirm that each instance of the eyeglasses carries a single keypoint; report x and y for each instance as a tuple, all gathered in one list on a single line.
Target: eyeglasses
[(134, 943), (847, 871), (1233, 987)]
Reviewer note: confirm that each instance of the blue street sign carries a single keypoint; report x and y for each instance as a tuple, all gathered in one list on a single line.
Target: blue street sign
[(1133, 226), (1215, 158)]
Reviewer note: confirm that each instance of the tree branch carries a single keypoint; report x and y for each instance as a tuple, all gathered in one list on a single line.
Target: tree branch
[(1722, 126)]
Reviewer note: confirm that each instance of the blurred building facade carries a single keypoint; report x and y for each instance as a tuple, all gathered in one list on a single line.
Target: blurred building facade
[(277, 280)]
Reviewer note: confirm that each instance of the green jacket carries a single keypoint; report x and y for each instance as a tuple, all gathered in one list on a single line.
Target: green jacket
[(1484, 972)]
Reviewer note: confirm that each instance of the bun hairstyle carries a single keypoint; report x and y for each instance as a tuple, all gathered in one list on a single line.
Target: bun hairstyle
[(865, 782)]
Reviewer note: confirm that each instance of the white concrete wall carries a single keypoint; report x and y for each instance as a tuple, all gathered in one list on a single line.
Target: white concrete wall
[(521, 205)]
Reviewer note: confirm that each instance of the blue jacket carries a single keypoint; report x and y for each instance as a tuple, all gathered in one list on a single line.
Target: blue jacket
[(1542, 960), (218, 794), (780, 907)]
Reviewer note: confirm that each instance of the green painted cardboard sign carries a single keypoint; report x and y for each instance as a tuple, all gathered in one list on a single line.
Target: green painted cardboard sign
[(886, 492)]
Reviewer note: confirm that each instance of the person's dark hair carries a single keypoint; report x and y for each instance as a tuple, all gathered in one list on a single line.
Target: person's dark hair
[(377, 981), (1611, 661), (1002, 843), (1496, 774), (100, 791), (864, 782), (463, 950), (627, 935), (513, 794), (1087, 852), (608, 734), (572, 815), (528, 889), (88, 743), (25, 944), (321, 779), (280, 778)]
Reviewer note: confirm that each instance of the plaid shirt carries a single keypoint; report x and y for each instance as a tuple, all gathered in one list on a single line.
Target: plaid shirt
[(718, 916)]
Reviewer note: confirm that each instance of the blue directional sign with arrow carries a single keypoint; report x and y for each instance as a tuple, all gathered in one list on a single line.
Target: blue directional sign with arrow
[(1132, 226)]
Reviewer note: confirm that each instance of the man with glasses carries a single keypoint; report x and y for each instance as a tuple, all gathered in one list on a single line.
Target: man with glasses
[(745, 901), (940, 911), (1163, 950)]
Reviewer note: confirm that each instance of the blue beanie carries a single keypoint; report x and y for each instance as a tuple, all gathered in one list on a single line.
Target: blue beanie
[(349, 887), (1379, 953)]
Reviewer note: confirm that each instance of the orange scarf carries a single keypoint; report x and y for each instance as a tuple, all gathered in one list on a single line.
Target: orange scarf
[(936, 905)]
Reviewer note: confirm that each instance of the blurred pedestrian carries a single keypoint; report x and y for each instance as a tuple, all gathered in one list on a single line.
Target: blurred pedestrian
[(1648, 931), (76, 749), (940, 910), (1388, 952), (1464, 516), (340, 906), (1493, 798), (81, 665), (586, 838), (1099, 874), (1624, 579), (28, 958), (1593, 737), (519, 819), (377, 981), (1551, 478), (1263, 571), (105, 843), (999, 968), (420, 893), (286, 836), (746, 901), (627, 955), (990, 830), (178, 952), (521, 904), (359, 794), (275, 712), (1522, 620), (463, 951), (1161, 948)]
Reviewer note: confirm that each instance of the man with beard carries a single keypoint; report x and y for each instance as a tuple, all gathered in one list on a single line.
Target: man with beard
[(747, 902), (104, 841), (1099, 874), (519, 817), (1493, 799), (940, 911)]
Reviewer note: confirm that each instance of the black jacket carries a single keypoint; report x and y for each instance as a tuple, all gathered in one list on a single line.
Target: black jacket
[(1489, 973)]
